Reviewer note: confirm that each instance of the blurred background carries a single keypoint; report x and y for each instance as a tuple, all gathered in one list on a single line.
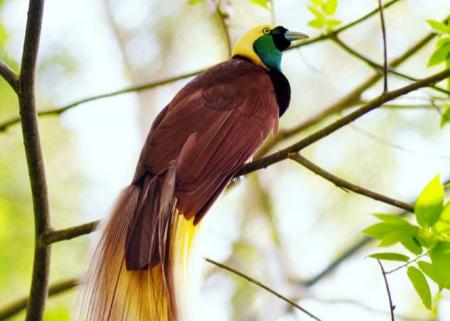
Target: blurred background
[(282, 225)]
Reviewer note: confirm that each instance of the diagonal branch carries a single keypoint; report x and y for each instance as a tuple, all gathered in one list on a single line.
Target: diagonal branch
[(35, 161), (10, 77), (20, 304), (388, 290), (68, 233), (379, 67), (344, 27), (261, 285), (347, 185), (318, 135), (4, 125), (126, 90), (349, 100)]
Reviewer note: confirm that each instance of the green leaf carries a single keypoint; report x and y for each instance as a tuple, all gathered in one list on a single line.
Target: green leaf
[(445, 118), (394, 237), (319, 15), (429, 205), (316, 23), (393, 219), (389, 256), (442, 42), (195, 1), (421, 285), (261, 3), (439, 26), (331, 23), (330, 7), (440, 55), (379, 230), (412, 245), (438, 270), (443, 225), (316, 3)]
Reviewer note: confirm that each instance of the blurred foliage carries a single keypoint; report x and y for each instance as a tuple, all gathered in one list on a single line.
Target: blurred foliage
[(323, 11), (431, 235)]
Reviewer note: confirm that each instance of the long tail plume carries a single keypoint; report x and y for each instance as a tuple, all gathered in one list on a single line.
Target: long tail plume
[(161, 292)]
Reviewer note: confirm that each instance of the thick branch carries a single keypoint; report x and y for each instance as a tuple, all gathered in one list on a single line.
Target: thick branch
[(20, 304), (371, 105), (10, 77), (349, 186), (261, 285), (347, 101), (35, 162)]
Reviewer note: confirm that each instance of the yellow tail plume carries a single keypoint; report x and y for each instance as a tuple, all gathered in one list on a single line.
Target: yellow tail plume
[(165, 292)]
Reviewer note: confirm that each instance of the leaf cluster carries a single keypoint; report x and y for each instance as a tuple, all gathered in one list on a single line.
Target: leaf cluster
[(441, 54), (428, 240), (323, 11)]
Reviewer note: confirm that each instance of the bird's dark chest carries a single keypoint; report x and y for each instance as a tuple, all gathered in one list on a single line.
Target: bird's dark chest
[(282, 90)]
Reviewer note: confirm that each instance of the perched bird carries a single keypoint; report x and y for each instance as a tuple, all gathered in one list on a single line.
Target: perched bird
[(143, 267)]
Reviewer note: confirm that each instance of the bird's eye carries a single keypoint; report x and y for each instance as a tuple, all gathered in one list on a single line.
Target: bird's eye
[(266, 31)]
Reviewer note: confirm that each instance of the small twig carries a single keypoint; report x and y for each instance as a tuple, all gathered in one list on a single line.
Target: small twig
[(385, 61), (343, 28), (407, 263), (347, 185), (137, 88), (261, 285), (222, 16), (10, 77), (318, 135), (379, 67), (391, 305), (69, 233), (20, 304)]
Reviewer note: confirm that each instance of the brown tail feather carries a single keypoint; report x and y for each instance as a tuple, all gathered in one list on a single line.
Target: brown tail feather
[(159, 292)]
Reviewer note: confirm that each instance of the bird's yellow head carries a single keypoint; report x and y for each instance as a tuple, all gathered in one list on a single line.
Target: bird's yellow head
[(264, 45)]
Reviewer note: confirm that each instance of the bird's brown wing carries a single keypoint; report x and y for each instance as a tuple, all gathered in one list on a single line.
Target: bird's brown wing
[(199, 141), (211, 128)]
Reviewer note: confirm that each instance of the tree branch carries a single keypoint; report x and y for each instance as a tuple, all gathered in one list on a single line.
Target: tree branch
[(349, 186), (10, 77), (35, 162), (379, 67), (69, 233), (386, 283), (344, 27), (20, 304), (4, 125), (385, 60), (261, 285), (316, 136), (146, 86), (347, 101)]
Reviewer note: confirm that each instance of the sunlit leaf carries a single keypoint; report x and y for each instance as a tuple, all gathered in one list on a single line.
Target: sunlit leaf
[(390, 256), (440, 55), (439, 26), (316, 23), (331, 23), (429, 205), (445, 118), (330, 7), (412, 245), (319, 15), (421, 285), (196, 1), (379, 230), (443, 225), (316, 3), (261, 3), (391, 218)]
